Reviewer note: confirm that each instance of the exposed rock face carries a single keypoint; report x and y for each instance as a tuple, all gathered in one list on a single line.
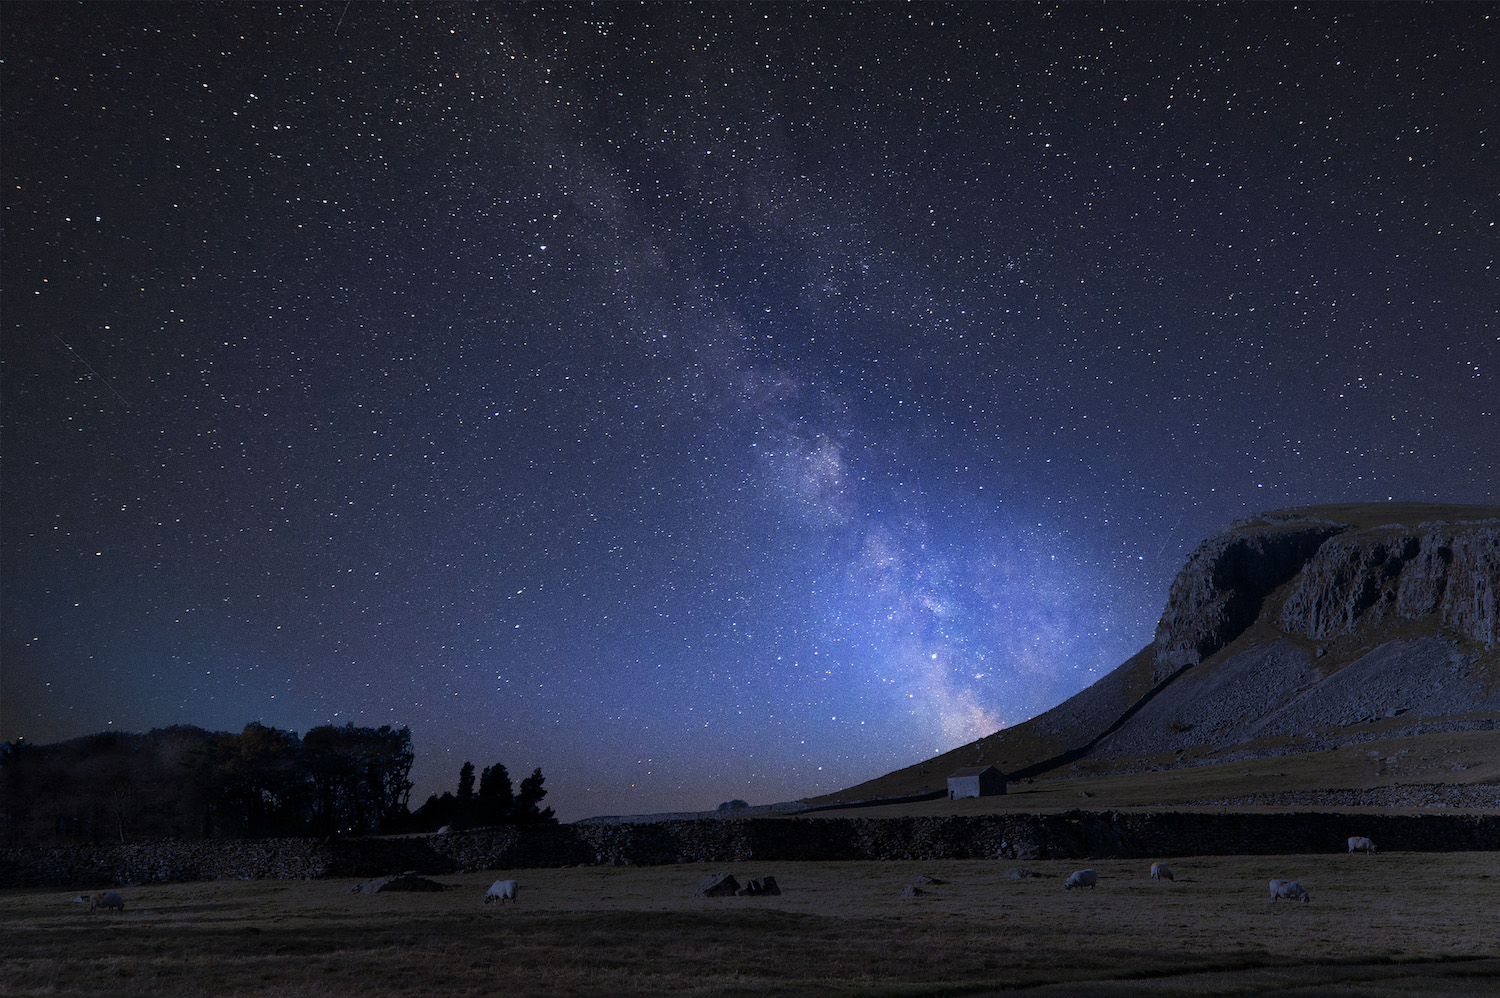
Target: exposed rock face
[(1363, 577), (1339, 580), (1299, 622), (718, 885), (408, 881), (1346, 578), (758, 887), (1218, 593), (1275, 689)]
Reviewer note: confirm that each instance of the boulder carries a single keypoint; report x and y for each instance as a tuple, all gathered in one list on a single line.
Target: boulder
[(718, 885), (757, 886), (1017, 873), (408, 881), (913, 891)]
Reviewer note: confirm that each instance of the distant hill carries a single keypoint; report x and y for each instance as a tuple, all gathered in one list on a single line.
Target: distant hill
[(1291, 632)]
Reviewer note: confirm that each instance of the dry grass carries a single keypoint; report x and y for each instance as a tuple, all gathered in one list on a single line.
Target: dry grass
[(1012, 748), (1008, 749), (1418, 759), (1384, 924)]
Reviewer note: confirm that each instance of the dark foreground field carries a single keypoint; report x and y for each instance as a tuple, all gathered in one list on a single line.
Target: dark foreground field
[(1390, 924)]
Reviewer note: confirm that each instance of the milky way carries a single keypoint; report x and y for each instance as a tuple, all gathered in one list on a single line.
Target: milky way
[(703, 402)]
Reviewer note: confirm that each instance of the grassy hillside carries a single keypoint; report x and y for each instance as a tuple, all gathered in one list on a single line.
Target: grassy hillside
[(1469, 759), (1070, 724), (1079, 720)]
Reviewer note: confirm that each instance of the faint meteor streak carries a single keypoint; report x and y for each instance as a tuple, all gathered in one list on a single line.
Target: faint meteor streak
[(1168, 537), (99, 377)]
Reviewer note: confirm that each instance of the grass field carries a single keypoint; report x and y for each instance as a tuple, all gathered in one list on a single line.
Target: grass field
[(1388, 924), (1454, 758)]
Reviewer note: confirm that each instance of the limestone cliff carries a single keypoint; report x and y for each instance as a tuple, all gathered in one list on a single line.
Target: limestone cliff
[(1218, 593), (1361, 578), (1346, 577), (1301, 622), (1308, 623), (1298, 626)]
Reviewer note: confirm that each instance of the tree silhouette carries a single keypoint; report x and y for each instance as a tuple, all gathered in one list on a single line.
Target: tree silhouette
[(495, 800), (532, 792)]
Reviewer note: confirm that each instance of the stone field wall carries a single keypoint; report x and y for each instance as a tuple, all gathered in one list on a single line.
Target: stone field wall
[(1073, 834)]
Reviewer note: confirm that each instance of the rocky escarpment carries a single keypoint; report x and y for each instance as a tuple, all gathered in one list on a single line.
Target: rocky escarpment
[(1321, 597), (1347, 578), (1219, 592), (1294, 623), (1364, 577), (1347, 581), (1296, 575)]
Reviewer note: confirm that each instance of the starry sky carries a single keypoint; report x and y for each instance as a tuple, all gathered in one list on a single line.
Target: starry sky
[(703, 401)]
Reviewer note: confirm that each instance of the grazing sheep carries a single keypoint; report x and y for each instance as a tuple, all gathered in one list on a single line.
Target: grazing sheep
[(502, 891), (1289, 889), (1160, 871), (1081, 878), (1358, 843), (101, 899)]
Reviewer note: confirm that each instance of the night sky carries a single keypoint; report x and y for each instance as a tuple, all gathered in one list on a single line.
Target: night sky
[(704, 402)]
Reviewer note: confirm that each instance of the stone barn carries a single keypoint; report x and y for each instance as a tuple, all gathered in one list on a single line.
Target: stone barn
[(976, 781)]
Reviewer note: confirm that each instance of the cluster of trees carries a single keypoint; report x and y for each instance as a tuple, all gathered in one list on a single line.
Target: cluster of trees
[(185, 782), (493, 804)]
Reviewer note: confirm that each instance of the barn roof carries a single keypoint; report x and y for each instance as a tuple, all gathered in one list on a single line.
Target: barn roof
[(971, 771)]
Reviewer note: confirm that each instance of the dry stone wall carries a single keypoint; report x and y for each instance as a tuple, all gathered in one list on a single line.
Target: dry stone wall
[(1072, 834)]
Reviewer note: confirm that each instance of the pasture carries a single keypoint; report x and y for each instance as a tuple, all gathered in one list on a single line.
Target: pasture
[(1458, 759), (1389, 924)]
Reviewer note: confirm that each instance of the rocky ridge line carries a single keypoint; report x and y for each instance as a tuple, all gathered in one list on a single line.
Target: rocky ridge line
[(1363, 577)]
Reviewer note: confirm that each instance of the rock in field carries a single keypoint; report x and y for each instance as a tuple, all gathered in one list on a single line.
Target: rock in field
[(408, 881), (758, 886), (718, 885)]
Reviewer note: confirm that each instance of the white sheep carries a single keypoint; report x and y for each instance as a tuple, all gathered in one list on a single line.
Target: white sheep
[(101, 899), (1081, 878), (502, 891), (1289, 889), (1160, 871), (1358, 843)]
